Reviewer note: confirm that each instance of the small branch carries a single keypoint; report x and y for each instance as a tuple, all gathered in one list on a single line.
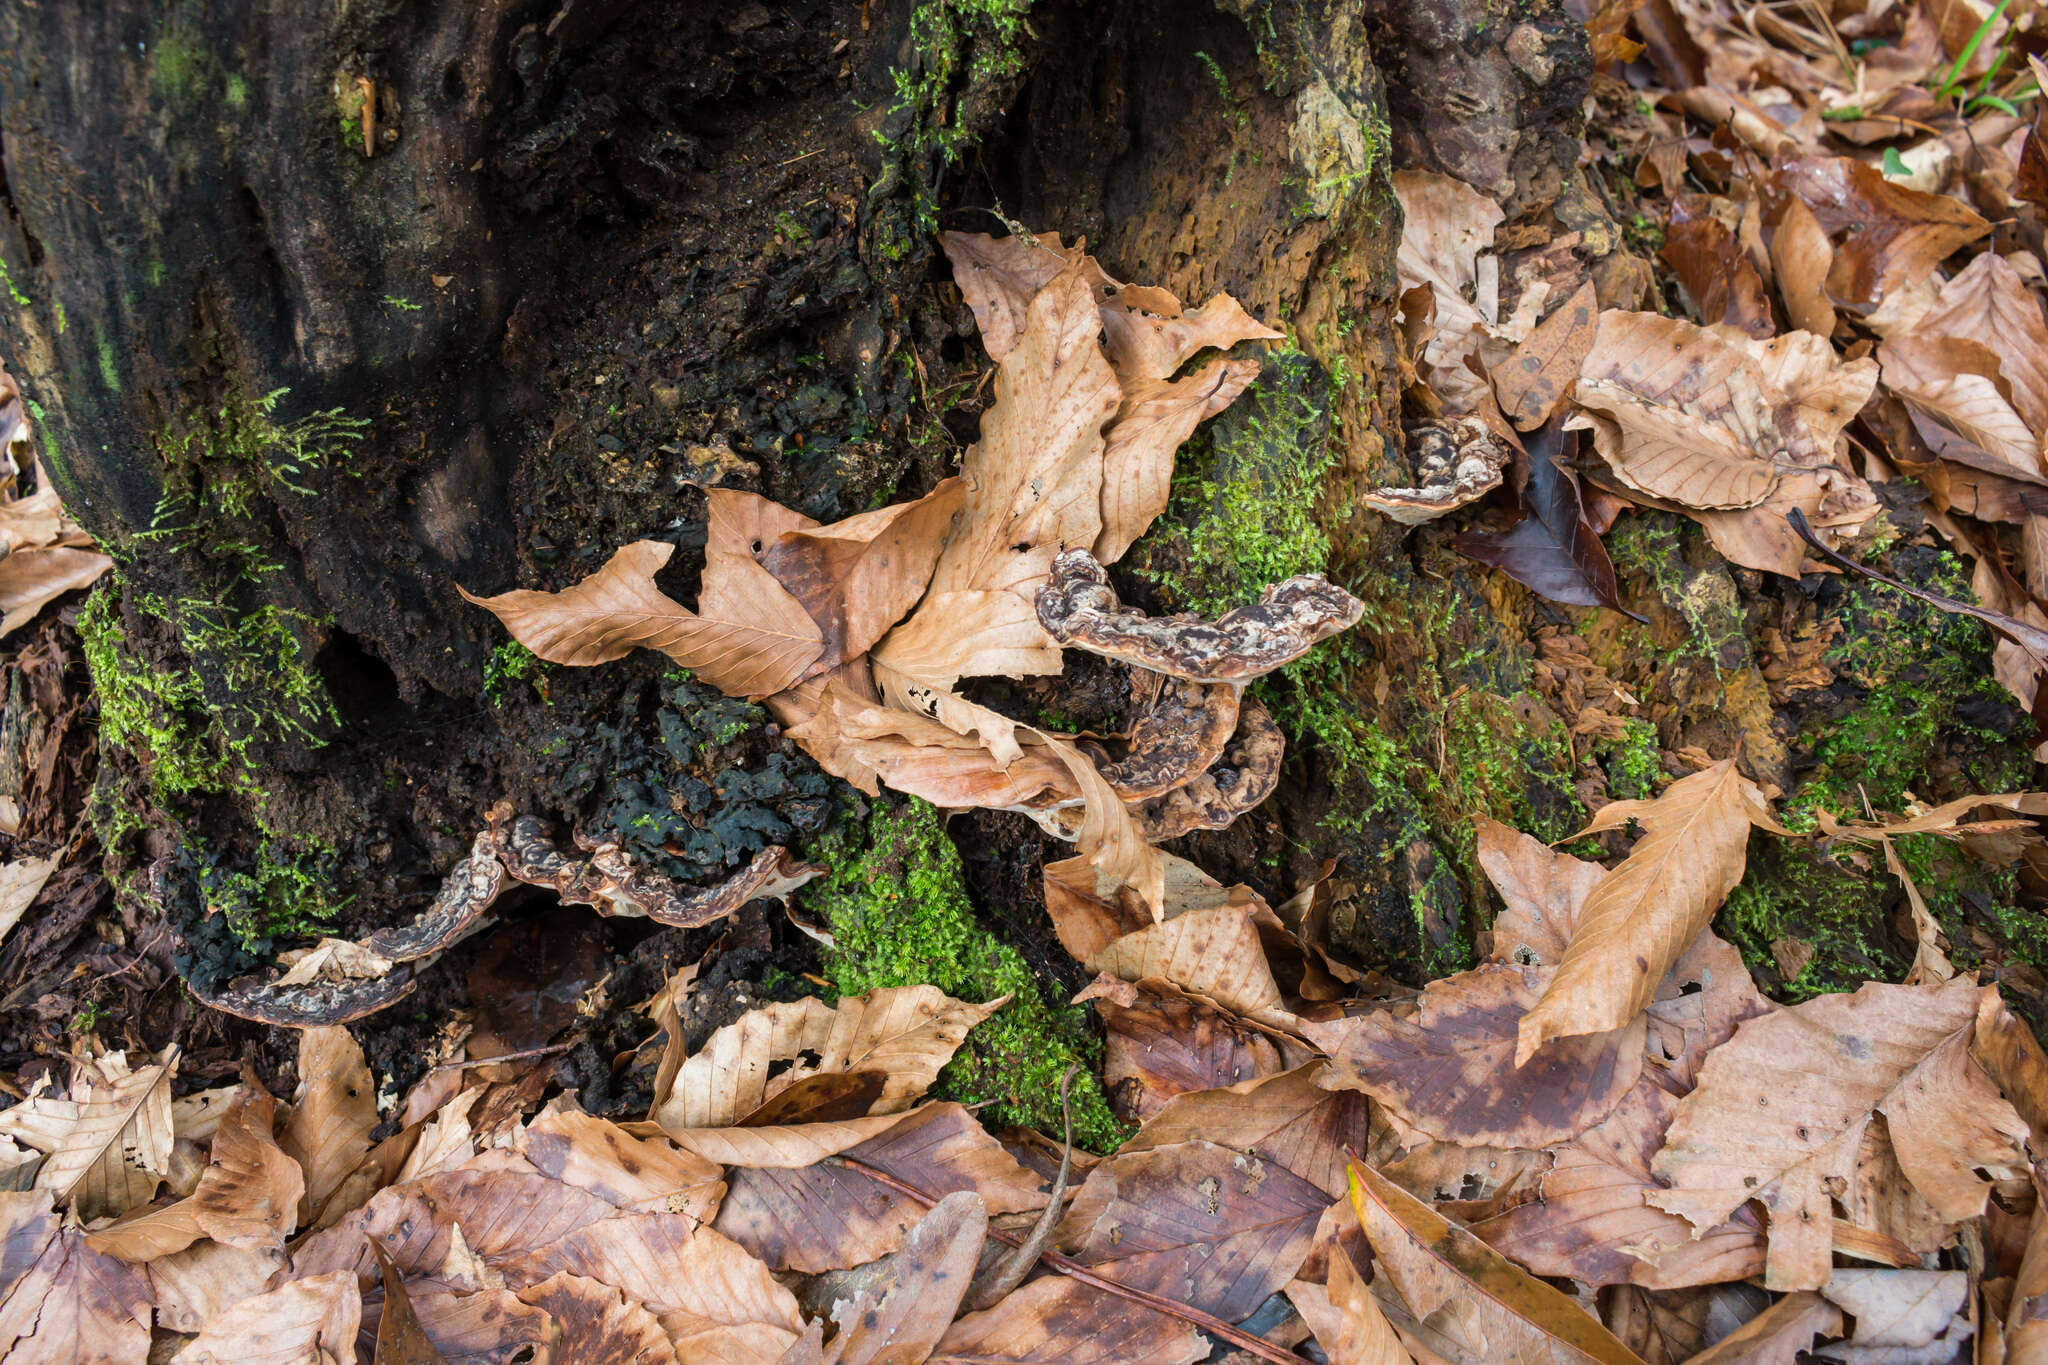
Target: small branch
[(1214, 1326), (502, 1057)]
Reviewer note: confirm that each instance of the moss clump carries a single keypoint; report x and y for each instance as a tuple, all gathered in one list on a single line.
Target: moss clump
[(898, 909), (1927, 697), (510, 663), (285, 892), (1632, 763), (1793, 895)]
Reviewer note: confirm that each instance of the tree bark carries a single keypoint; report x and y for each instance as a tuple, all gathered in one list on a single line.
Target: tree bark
[(324, 313)]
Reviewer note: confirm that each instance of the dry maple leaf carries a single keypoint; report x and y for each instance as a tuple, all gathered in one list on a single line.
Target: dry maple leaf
[(904, 1034), (1644, 914), (1781, 1110), (1468, 1292)]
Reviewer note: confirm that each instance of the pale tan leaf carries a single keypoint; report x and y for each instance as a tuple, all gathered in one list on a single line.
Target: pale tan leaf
[(333, 1111), (1347, 1321), (1467, 1291), (1897, 1311), (309, 1320), (1060, 1321), (20, 883), (1445, 226), (1543, 889), (1777, 1336), (30, 579), (1545, 365), (149, 1234), (501, 1213), (999, 276), (445, 1140), (993, 730), (249, 1194), (639, 1175), (1156, 416), (1956, 381), (597, 1325), (481, 1327), (109, 1144), (762, 643), (1989, 303), (898, 1319), (1782, 1108), (1646, 912), (787, 1147), (903, 1033), (1448, 1071), (70, 1304), (1109, 837), (191, 1287), (1036, 473), (1215, 954), (1801, 256)]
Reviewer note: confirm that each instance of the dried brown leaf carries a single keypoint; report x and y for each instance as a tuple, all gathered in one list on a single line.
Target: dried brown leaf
[(831, 1215), (758, 640), (1777, 1336), (1543, 890), (1156, 415), (1888, 237), (906, 1033), (1545, 366), (1897, 1312), (1646, 912), (1801, 257), (1449, 1071), (1218, 1229), (248, 1195), (1781, 1110), (1164, 1045), (21, 882), (1288, 1120), (1465, 1290), (30, 579), (333, 1111), (1060, 1321), (108, 1143), (311, 1319), (1214, 954), (1347, 1321), (899, 1318), (638, 1175), (597, 1325)]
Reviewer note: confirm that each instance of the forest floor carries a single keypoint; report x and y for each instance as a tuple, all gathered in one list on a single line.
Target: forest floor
[(942, 965)]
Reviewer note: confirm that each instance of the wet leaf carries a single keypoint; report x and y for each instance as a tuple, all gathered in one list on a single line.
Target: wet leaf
[(1552, 550)]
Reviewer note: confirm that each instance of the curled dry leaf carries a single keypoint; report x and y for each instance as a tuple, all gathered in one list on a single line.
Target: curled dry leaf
[(22, 881), (1445, 226), (1213, 953), (1543, 890), (107, 1143), (30, 579), (1449, 1071), (904, 1033), (1553, 550), (65, 1302), (1078, 607), (1468, 1292), (763, 643), (1218, 1229), (1646, 912), (1347, 1321), (637, 1175), (615, 885), (1781, 1110), (1777, 1336), (1287, 1120)]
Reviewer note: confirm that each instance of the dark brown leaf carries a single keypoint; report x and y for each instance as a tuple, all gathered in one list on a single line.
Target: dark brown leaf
[(1551, 550)]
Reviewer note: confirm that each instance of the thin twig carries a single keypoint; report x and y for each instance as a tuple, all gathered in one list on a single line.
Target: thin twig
[(1214, 1326), (1010, 1271), (502, 1057)]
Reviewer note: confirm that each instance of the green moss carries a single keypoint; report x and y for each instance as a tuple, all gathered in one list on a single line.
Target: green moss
[(110, 369), (1632, 762), (1834, 907), (285, 893), (21, 300), (898, 909), (156, 715), (512, 662), (1694, 583), (179, 68), (958, 48), (236, 93), (1917, 668)]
